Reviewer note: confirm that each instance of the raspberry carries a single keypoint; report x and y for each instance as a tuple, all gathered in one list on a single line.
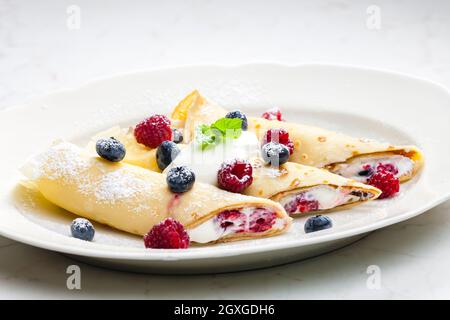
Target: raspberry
[(230, 218), (261, 220), (304, 205), (280, 136), (386, 182), (235, 175), (301, 205), (168, 234), (389, 167), (273, 114), (153, 131)]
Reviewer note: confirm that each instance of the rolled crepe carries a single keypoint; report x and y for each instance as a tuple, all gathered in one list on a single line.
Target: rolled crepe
[(299, 188), (303, 189), (340, 153), (336, 152), (132, 199)]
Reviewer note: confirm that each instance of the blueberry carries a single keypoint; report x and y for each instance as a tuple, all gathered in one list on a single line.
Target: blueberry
[(275, 153), (359, 194), (110, 149), (180, 179), (166, 152), (238, 114), (365, 172), (82, 229), (177, 136), (356, 193), (318, 223)]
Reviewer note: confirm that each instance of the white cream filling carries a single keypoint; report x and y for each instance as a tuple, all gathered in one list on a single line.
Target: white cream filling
[(211, 230), (206, 232), (351, 169), (206, 163), (327, 197)]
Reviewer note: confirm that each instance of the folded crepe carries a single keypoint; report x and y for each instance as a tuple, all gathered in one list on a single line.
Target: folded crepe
[(339, 153), (133, 199), (304, 189), (300, 189)]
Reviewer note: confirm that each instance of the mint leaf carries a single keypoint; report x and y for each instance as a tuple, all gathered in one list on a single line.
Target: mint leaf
[(224, 128), (207, 136), (233, 133), (230, 128), (224, 124)]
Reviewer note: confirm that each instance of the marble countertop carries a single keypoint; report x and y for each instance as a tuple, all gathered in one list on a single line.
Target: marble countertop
[(49, 45)]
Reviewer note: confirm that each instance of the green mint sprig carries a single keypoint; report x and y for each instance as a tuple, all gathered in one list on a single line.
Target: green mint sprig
[(224, 128)]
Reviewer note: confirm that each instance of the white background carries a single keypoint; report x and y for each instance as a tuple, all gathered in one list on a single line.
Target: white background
[(39, 53)]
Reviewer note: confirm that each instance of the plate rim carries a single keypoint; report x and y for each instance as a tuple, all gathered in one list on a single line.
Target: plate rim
[(198, 254), (132, 72)]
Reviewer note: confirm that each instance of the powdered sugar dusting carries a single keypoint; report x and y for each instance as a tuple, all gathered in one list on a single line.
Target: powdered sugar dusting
[(81, 223), (118, 185), (107, 184), (62, 161)]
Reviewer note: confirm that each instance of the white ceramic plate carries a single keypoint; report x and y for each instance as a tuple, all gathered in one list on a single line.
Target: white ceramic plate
[(361, 102)]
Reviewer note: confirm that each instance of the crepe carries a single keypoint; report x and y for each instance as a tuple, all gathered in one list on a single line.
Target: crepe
[(317, 147), (132, 199), (332, 150), (292, 184)]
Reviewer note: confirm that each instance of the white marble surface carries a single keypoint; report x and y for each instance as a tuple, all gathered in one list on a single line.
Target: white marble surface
[(39, 54)]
